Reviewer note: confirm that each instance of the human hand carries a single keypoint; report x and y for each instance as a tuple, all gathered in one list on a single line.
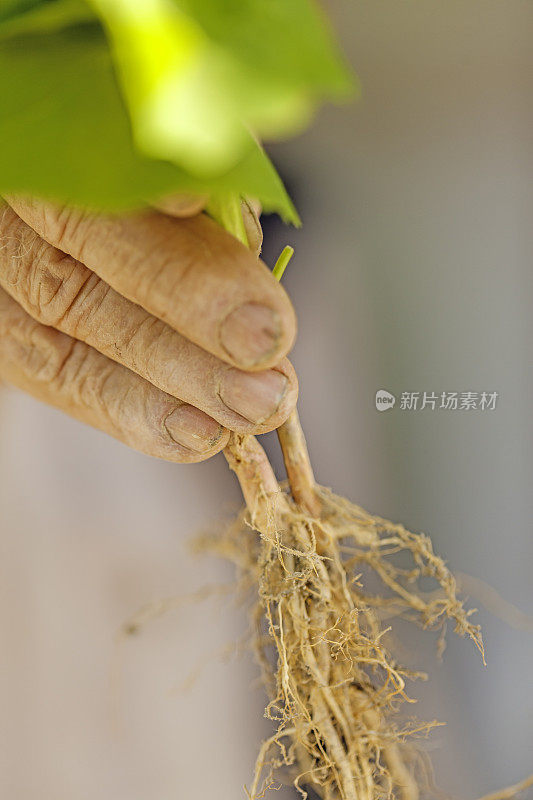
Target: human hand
[(165, 332)]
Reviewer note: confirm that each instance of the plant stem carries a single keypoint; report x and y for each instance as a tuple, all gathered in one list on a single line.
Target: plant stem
[(282, 262), (256, 477), (298, 465)]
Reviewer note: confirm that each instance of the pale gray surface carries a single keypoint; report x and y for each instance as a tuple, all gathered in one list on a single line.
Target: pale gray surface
[(413, 272)]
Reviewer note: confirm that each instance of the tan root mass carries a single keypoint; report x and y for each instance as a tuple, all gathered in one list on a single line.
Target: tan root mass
[(329, 587)]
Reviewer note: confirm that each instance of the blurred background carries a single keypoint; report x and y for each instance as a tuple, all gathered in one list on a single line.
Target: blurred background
[(412, 273)]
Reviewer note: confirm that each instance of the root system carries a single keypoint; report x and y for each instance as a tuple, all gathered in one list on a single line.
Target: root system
[(329, 580)]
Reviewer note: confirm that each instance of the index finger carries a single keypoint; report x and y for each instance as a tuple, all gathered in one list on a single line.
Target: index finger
[(188, 272)]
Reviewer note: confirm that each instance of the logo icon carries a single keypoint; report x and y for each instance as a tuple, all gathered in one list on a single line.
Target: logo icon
[(384, 400)]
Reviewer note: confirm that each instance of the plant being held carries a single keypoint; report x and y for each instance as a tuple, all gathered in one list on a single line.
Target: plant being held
[(163, 328), (88, 130)]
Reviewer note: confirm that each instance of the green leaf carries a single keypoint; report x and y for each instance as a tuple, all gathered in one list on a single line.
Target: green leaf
[(41, 16), (199, 76), (65, 133), (162, 98), (13, 8)]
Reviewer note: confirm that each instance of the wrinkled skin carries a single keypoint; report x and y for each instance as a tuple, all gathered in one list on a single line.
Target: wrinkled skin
[(158, 328)]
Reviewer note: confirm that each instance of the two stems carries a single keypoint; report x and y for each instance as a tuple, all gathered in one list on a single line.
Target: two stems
[(249, 461)]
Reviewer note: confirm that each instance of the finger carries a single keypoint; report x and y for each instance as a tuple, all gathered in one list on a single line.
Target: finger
[(77, 379), (59, 291), (189, 272), (181, 205)]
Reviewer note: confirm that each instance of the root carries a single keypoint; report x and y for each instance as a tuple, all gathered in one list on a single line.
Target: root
[(511, 791), (329, 585), (298, 465)]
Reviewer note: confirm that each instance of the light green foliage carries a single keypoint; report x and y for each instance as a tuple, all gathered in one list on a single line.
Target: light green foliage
[(200, 75), (111, 103), (41, 16), (13, 8)]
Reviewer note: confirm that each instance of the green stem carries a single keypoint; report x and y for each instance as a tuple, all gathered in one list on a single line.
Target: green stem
[(226, 210), (282, 262)]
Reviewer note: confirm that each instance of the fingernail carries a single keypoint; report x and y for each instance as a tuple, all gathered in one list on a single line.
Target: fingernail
[(193, 429), (250, 334), (255, 396)]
